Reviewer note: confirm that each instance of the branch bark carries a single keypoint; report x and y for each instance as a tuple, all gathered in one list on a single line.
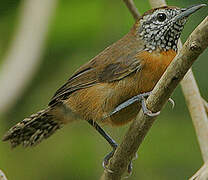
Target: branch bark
[(132, 8), (205, 104), (197, 111), (24, 54), (193, 47), (157, 3), (193, 100), (2, 175), (197, 108), (201, 174)]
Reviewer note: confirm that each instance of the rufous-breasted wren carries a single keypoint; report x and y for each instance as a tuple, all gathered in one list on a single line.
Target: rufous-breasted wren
[(110, 87)]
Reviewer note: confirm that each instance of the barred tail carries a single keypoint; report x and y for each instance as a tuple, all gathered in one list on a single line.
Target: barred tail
[(32, 130)]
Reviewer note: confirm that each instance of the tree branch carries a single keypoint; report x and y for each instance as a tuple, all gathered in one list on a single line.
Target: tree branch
[(201, 174), (132, 8), (193, 47), (2, 175), (193, 100), (196, 108), (205, 105), (197, 111), (157, 3)]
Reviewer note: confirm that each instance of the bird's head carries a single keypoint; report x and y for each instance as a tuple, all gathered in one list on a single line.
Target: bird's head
[(160, 28)]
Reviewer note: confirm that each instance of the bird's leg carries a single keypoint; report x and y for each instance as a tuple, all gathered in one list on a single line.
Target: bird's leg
[(141, 98), (113, 144)]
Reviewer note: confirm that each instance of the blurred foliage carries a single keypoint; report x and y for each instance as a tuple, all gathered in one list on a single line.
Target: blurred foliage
[(79, 30)]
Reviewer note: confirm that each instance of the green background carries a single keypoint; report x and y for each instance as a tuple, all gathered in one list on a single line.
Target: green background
[(79, 30)]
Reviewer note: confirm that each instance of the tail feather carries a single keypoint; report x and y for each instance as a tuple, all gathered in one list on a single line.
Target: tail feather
[(33, 130)]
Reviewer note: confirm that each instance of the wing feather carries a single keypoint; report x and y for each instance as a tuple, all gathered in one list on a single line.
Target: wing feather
[(113, 64)]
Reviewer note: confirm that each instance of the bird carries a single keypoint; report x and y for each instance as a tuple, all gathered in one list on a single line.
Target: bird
[(111, 88)]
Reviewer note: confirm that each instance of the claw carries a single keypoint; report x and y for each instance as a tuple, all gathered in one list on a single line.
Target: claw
[(129, 169), (107, 159), (172, 102), (135, 157), (147, 111)]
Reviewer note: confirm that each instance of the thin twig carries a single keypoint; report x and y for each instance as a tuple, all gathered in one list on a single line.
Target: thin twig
[(132, 8), (157, 3), (193, 47)]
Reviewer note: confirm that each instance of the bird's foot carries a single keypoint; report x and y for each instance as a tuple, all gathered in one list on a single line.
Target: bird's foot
[(107, 160), (146, 111), (142, 99)]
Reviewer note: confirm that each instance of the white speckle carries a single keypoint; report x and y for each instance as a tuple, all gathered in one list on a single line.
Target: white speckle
[(176, 26), (148, 30), (148, 36), (154, 43), (161, 32), (164, 41), (170, 39), (147, 26), (142, 33), (152, 26), (157, 38), (158, 42)]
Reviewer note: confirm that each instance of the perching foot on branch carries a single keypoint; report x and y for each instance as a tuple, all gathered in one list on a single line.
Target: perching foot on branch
[(107, 159), (141, 98)]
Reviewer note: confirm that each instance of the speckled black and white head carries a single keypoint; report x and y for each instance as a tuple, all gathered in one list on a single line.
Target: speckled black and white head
[(161, 28)]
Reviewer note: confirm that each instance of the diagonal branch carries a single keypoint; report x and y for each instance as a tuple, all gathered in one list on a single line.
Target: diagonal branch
[(197, 108), (132, 8), (2, 175), (201, 174), (205, 105), (194, 46), (193, 100)]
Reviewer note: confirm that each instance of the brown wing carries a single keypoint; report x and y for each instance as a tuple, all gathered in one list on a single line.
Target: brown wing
[(113, 64)]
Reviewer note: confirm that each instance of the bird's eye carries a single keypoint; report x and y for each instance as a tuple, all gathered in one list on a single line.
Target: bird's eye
[(161, 17)]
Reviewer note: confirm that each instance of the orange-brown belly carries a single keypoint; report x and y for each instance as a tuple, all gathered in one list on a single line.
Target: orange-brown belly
[(98, 101)]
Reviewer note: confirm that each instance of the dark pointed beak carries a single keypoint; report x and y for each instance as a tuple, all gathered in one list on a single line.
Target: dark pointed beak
[(188, 11)]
